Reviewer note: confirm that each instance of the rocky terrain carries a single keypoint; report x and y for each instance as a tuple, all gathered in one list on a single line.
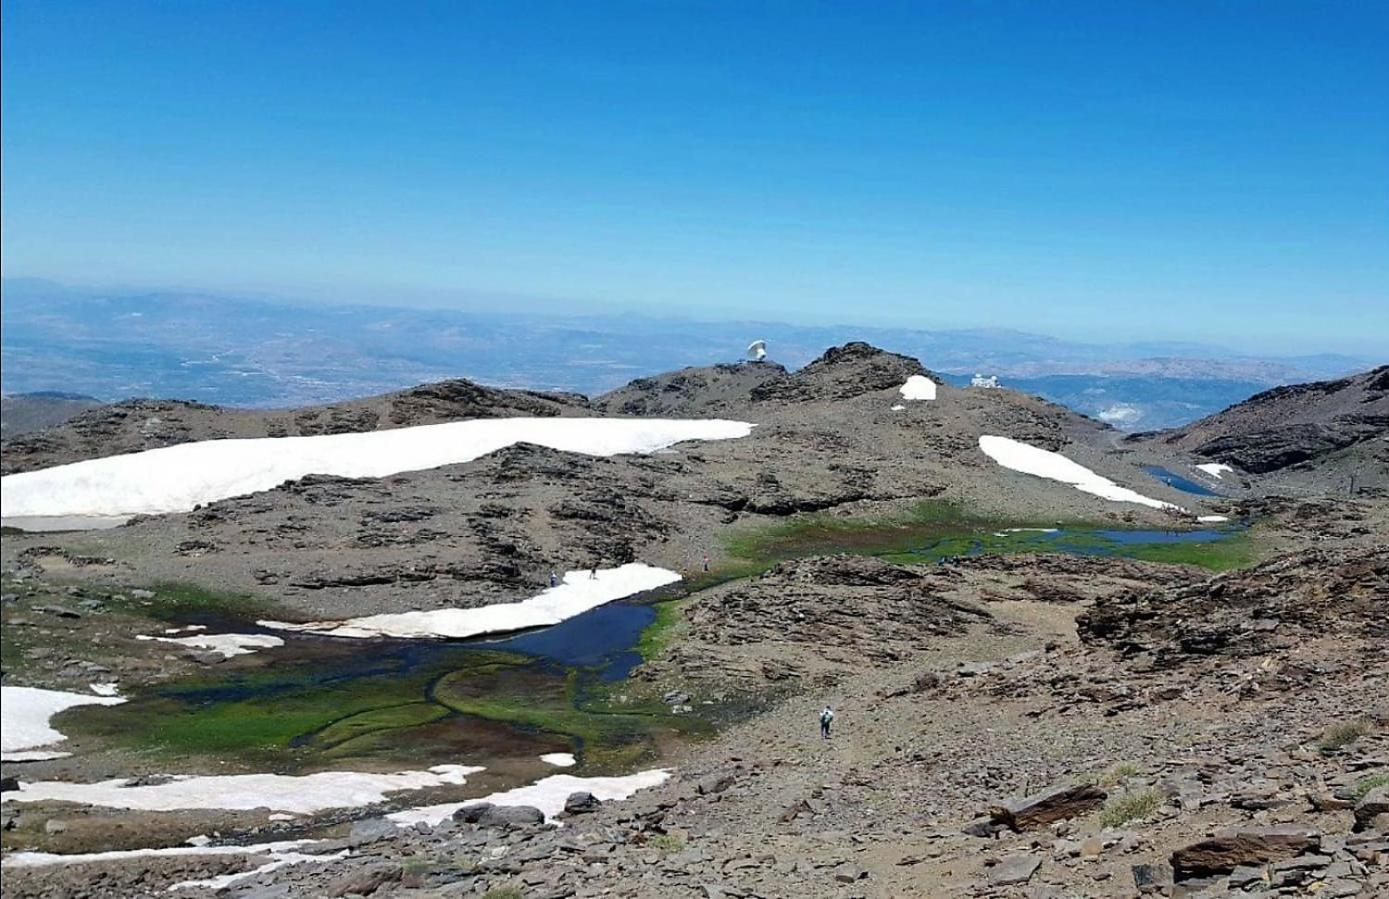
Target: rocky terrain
[(1290, 426), (24, 413), (1036, 725), (142, 424)]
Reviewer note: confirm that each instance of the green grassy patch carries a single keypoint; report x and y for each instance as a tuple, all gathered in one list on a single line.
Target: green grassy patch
[(1127, 807), (1364, 785), (937, 530), (657, 635), (1339, 736), (187, 603)]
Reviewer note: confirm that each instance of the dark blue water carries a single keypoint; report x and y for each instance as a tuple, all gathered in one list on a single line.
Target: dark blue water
[(1201, 535), (1177, 482), (603, 638)]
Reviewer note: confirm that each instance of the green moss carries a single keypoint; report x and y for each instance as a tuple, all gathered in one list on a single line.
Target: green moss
[(186, 602), (387, 718), (822, 533), (657, 635), (1364, 785)]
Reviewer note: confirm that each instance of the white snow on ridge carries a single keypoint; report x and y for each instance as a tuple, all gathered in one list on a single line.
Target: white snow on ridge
[(1212, 519), (177, 478), (578, 593), (918, 387), (227, 645), (24, 714), (1019, 456), (302, 795), (547, 794), (1214, 469)]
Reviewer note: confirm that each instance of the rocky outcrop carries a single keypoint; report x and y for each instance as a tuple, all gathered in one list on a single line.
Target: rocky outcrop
[(843, 372), (876, 609), (1287, 426), (1249, 611), (1055, 803), (691, 391), (1231, 849)]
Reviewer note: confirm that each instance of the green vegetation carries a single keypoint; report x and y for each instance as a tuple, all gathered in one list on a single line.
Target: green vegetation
[(657, 635), (1119, 773), (1339, 736), (503, 893), (1364, 785), (184, 602), (935, 530), (1129, 806), (822, 533), (666, 842)]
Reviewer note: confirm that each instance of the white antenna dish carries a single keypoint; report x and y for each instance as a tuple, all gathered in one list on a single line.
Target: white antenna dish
[(757, 351)]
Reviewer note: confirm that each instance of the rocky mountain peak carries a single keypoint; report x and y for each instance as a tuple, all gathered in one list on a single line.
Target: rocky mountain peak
[(843, 372)]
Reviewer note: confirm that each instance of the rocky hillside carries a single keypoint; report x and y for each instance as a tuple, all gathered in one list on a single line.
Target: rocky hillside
[(141, 424), (1290, 425), (24, 413)]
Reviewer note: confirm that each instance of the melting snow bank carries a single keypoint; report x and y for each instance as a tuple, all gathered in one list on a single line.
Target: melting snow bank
[(547, 794), (579, 593), (918, 387), (227, 644), (280, 855), (1033, 460), (558, 759), (1212, 519), (284, 793), (1214, 469), (24, 714), (177, 478)]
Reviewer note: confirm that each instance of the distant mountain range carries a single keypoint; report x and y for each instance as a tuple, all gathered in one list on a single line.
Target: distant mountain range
[(249, 352)]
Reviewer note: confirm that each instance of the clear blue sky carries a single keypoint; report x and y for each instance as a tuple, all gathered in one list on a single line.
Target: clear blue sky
[(1210, 170)]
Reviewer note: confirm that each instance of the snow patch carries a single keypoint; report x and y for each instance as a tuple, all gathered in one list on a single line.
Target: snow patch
[(104, 689), (898, 407), (579, 592), (1212, 519), (227, 645), (918, 387), (1019, 456), (24, 714), (1214, 469), (558, 759), (302, 795), (547, 794), (277, 860), (177, 478), (45, 859)]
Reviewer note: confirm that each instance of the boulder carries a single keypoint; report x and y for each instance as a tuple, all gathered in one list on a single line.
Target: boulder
[(1230, 849), (507, 816), (1012, 869), (371, 830), (1055, 803), (580, 803), (365, 881), (1373, 810), (8, 784)]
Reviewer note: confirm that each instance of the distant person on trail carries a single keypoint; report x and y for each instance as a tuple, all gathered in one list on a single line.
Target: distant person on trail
[(554, 578), (826, 718), (706, 561), (593, 572)]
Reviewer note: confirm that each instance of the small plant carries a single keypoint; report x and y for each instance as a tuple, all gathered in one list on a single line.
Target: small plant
[(1119, 773), (503, 893), (1126, 807), (1339, 736), (667, 843), (1364, 785)]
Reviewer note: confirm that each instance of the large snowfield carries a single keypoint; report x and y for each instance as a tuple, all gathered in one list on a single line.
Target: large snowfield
[(177, 478), (1028, 459), (24, 714), (579, 592), (547, 794), (300, 795)]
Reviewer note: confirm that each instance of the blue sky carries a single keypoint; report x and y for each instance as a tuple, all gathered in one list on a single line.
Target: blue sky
[(1207, 170)]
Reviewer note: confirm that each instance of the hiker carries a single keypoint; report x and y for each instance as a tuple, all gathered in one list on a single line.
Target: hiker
[(706, 562), (826, 717), (554, 578), (593, 572)]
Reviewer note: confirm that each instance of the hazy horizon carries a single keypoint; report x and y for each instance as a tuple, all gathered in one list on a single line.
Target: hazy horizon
[(1094, 172)]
